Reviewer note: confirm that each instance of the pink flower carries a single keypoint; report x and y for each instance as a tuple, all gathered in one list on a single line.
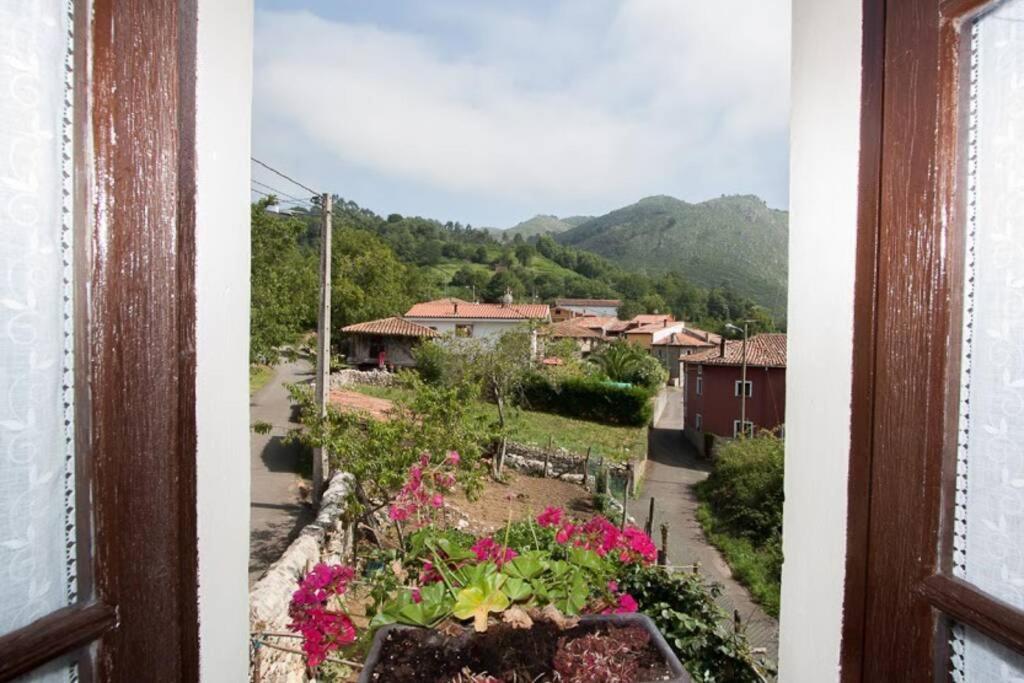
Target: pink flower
[(453, 458), (416, 597), (424, 459), (322, 630), (551, 516), (486, 549), (437, 501), (398, 514), (613, 586), (627, 604), (565, 533)]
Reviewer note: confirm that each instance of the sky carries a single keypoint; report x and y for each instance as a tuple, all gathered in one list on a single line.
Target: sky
[(489, 112)]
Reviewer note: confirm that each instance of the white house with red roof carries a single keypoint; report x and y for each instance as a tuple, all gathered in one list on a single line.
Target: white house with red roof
[(469, 319)]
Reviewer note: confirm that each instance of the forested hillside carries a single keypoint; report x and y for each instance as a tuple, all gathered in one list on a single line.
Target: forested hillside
[(541, 225), (381, 266), (735, 242)]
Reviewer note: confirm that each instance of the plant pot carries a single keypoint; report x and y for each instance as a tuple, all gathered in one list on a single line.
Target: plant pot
[(677, 672)]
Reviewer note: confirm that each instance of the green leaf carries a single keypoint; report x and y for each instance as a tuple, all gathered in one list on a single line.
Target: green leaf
[(517, 589), (525, 566), (476, 603)]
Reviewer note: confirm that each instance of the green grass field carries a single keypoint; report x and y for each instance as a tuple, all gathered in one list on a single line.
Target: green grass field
[(529, 427), (752, 566), (259, 375)]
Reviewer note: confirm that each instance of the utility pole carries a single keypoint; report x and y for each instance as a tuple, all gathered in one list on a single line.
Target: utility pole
[(743, 383), (743, 375), (323, 340)]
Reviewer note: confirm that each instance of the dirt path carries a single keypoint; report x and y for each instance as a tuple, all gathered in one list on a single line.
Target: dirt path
[(277, 511), (673, 469)]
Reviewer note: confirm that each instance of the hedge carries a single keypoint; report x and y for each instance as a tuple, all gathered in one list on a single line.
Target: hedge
[(588, 398)]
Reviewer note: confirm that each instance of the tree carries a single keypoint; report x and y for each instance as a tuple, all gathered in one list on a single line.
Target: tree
[(283, 281), (500, 282), (471, 277), (623, 361)]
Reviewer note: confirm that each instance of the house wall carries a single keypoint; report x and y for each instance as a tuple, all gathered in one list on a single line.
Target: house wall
[(481, 328), (719, 405), (223, 102), (593, 310), (824, 149), (397, 349)]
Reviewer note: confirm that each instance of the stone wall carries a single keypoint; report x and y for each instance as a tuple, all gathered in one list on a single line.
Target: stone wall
[(327, 539), (561, 463), (374, 378)]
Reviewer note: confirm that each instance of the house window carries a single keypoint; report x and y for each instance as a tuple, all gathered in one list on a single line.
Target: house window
[(700, 383), (749, 388), (748, 428), (698, 421), (463, 330)]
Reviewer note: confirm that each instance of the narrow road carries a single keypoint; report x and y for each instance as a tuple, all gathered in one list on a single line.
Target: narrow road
[(277, 511), (673, 468)]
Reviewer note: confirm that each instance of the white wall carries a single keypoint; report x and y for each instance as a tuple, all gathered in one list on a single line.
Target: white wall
[(823, 210), (481, 328), (222, 335)]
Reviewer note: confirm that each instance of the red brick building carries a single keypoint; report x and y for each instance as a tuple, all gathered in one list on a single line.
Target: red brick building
[(712, 392)]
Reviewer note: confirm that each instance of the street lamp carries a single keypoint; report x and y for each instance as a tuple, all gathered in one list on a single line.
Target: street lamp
[(743, 381)]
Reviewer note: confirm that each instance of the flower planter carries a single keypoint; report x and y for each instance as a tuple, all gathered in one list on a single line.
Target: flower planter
[(457, 646)]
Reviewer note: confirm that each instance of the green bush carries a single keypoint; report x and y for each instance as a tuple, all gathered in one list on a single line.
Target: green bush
[(623, 361), (588, 398), (683, 607), (745, 491)]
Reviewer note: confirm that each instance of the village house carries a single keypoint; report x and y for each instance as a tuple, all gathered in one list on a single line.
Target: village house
[(466, 319), (672, 348), (386, 343), (587, 338), (565, 309), (715, 399), (646, 334)]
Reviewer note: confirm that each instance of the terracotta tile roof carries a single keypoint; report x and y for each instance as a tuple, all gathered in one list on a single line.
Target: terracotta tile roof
[(648, 318), (596, 322), (456, 308), (617, 326), (690, 337), (588, 302), (763, 350), (653, 327), (571, 329), (391, 327)]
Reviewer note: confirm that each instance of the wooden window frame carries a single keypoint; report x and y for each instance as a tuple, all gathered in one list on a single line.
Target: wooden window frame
[(749, 387), (135, 431), (900, 597)]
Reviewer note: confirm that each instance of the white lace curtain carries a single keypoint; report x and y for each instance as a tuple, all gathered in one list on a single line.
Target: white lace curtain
[(989, 540), (37, 533)]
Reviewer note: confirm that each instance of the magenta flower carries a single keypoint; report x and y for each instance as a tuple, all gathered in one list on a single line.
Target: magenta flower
[(551, 516), (454, 458)]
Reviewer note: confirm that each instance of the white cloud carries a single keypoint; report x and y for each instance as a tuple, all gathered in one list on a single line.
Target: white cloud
[(658, 93)]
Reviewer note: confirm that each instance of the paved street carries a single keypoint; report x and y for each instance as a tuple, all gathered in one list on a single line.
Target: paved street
[(277, 510), (673, 469)]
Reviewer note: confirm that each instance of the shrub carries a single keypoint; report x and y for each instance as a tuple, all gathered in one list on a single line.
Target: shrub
[(623, 361), (745, 490), (683, 607), (588, 398)]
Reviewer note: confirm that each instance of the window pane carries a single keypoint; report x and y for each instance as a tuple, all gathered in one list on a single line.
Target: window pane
[(979, 658), (37, 505), (989, 522)]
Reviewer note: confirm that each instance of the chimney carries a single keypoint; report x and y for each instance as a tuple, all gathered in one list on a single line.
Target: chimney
[(721, 348)]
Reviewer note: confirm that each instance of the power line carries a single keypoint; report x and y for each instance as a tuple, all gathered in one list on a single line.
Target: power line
[(286, 177), (278, 192)]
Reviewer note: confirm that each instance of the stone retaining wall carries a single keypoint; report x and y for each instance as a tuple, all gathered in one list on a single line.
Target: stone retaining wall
[(327, 539), (561, 463), (373, 378)]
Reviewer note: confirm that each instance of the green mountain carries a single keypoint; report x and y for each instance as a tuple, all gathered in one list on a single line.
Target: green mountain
[(542, 225), (734, 241)]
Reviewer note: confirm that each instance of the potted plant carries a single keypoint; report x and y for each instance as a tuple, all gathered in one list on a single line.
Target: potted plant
[(455, 608)]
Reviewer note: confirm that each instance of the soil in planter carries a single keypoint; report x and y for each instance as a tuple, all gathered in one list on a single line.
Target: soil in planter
[(506, 654)]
